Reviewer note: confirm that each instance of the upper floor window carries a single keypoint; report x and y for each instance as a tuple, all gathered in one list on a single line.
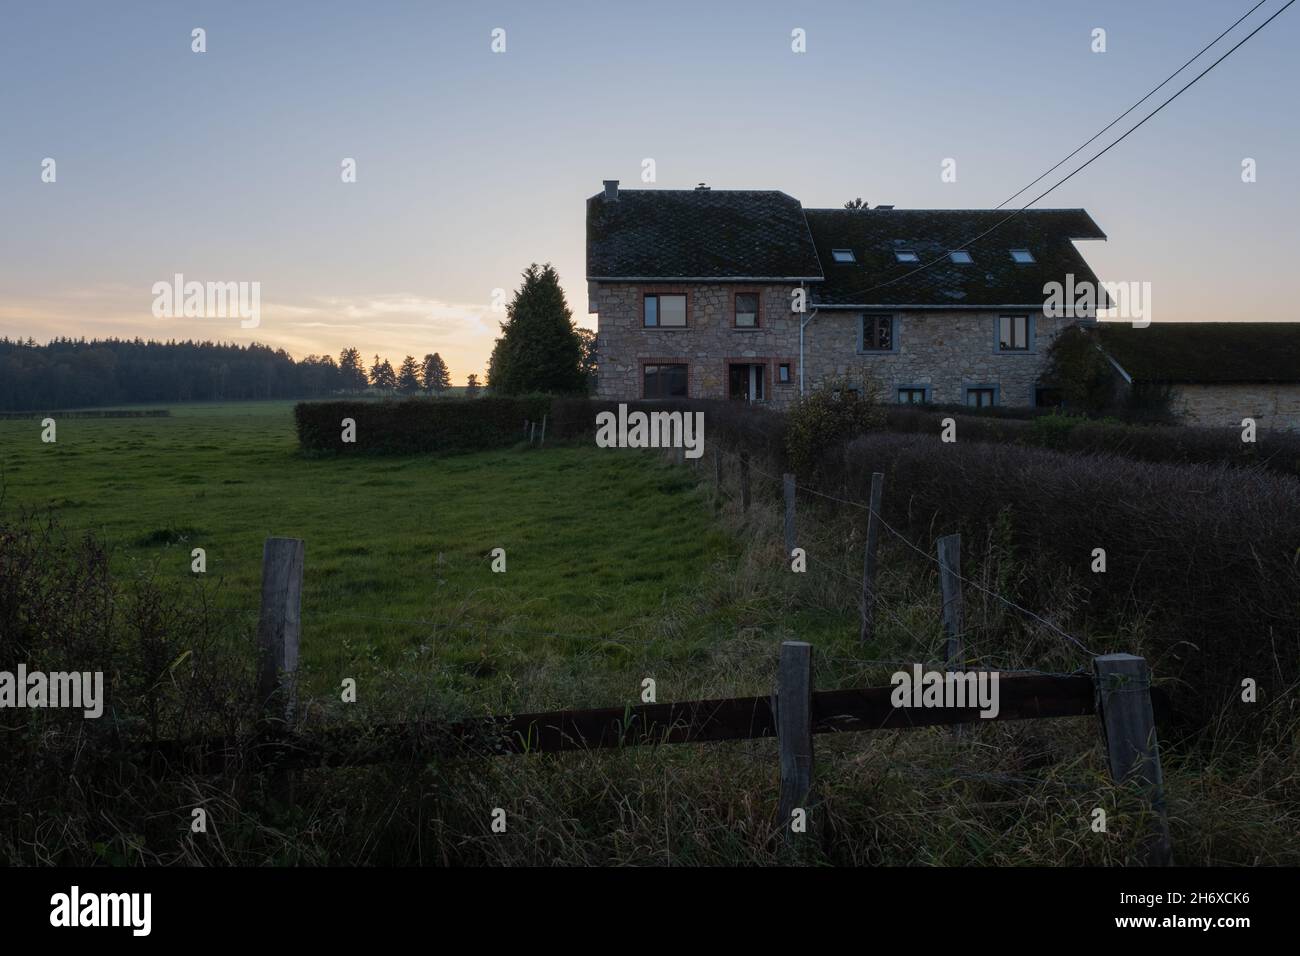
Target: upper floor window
[(906, 255), (665, 311), (1013, 333), (877, 333), (843, 255), (746, 310), (961, 257), (1022, 255)]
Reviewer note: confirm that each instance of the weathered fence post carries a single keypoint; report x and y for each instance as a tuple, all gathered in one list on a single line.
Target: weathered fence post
[(792, 706), (869, 560), (278, 630), (532, 434), (542, 440), (1123, 684), (950, 590), (788, 481), (279, 627), (744, 482)]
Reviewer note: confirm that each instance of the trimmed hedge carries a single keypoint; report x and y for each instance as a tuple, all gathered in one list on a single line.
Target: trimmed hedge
[(1207, 557), (449, 425), (418, 424), (1177, 444)]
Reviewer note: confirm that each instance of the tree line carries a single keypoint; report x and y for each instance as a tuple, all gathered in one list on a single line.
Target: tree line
[(540, 350), (84, 373)]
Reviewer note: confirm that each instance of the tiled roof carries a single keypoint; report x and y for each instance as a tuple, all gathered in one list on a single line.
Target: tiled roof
[(991, 279), (1204, 352), (702, 234), (699, 234)]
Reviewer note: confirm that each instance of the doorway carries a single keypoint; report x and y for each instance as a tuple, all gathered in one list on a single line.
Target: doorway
[(747, 381)]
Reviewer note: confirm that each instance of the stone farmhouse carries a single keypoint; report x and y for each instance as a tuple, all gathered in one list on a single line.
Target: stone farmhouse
[(697, 296), (1218, 373)]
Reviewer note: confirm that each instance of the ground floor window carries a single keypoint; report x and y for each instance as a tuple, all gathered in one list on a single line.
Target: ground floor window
[(783, 374), (912, 395), (665, 381), (745, 381), (981, 396)]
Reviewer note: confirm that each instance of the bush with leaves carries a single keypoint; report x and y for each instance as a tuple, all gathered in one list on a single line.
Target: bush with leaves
[(821, 422)]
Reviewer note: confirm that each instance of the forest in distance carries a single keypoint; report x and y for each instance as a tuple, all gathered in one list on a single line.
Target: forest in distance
[(81, 373)]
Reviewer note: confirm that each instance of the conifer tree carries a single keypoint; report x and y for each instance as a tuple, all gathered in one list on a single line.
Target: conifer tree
[(351, 371), (437, 378), (539, 349), (382, 375), (408, 376)]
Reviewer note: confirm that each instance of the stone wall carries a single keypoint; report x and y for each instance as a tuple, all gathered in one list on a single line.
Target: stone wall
[(707, 344), (1272, 406), (943, 351)]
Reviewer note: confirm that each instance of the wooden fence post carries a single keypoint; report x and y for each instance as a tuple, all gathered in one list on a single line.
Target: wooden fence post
[(744, 482), (869, 560), (792, 704), (1123, 684), (788, 481), (542, 440), (532, 434), (950, 590), (279, 628)]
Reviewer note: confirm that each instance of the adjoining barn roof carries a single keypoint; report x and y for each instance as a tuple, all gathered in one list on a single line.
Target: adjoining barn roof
[(992, 278), (708, 234), (1210, 353)]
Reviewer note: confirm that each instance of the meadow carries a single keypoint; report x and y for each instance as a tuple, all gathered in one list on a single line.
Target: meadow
[(609, 553), (621, 565)]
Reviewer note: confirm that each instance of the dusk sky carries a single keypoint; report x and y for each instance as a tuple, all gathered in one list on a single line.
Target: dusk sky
[(225, 165)]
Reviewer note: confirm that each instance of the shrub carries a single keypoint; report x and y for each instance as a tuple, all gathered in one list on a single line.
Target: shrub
[(1088, 382), (167, 673), (1052, 431), (825, 419)]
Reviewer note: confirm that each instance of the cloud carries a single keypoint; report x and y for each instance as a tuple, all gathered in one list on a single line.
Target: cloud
[(391, 324)]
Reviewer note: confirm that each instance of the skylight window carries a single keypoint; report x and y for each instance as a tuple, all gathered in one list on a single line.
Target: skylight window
[(843, 255), (903, 255), (961, 257), (1022, 255)]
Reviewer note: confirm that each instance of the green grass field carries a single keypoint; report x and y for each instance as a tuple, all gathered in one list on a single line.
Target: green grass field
[(608, 552), (620, 567)]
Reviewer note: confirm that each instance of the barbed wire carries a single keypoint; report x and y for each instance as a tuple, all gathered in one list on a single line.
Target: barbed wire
[(925, 554)]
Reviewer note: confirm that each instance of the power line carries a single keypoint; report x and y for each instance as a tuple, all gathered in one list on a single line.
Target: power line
[(1154, 89), (970, 242)]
